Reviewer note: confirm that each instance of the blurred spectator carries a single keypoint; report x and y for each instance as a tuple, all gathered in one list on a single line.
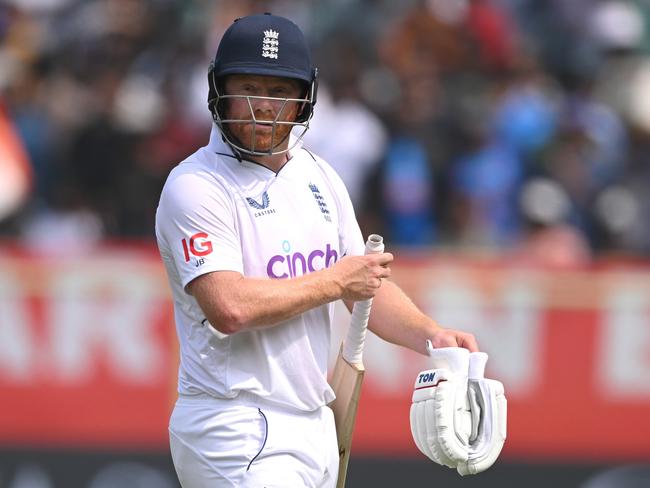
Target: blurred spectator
[(407, 191), (516, 123), (423, 38), (548, 239), (493, 34), (444, 111), (525, 114), (485, 182), (618, 210)]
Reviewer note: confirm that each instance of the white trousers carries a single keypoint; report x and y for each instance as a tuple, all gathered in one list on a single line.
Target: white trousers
[(242, 443)]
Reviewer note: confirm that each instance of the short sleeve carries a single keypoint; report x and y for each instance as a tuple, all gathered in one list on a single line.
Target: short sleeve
[(196, 226)]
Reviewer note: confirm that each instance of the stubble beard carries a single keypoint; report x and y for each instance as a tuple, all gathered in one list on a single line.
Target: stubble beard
[(246, 134)]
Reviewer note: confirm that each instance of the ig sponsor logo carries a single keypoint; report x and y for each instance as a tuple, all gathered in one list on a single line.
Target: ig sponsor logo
[(289, 265), (197, 245)]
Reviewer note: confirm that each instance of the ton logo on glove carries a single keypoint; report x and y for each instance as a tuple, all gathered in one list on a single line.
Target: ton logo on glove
[(458, 417)]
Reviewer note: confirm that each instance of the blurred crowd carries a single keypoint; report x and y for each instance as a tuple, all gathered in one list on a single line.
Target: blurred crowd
[(512, 125)]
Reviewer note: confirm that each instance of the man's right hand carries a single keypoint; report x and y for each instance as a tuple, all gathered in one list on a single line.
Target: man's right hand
[(359, 277)]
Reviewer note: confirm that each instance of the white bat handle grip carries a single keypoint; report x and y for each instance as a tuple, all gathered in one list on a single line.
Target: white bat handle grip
[(356, 338)]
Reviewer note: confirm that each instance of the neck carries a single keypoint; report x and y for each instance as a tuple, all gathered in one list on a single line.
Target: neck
[(275, 163)]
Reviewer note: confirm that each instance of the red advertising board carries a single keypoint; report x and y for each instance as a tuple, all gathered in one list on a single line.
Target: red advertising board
[(88, 353), (87, 350)]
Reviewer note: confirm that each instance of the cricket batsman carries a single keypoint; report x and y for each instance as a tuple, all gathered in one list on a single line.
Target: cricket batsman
[(259, 240)]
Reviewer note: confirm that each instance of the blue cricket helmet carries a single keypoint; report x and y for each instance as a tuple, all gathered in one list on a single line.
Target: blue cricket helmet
[(264, 45), (267, 45)]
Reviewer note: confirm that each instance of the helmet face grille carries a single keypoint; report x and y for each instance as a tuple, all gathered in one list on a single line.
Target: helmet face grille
[(305, 112), (265, 45)]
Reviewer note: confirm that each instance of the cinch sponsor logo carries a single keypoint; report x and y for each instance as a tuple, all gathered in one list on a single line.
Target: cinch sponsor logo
[(290, 264), (198, 245)]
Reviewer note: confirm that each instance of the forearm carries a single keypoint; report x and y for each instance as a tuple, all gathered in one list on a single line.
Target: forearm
[(396, 319), (233, 303)]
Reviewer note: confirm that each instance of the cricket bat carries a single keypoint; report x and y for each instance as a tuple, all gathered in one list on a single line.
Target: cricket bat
[(348, 372)]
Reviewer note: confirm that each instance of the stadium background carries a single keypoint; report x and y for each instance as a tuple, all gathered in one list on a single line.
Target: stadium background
[(501, 146)]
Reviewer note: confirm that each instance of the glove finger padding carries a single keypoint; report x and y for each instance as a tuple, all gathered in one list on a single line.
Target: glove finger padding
[(491, 419), (418, 425), (440, 414), (458, 418)]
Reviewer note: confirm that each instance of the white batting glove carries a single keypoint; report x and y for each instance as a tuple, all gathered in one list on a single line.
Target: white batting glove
[(489, 410), (440, 413), (458, 418)]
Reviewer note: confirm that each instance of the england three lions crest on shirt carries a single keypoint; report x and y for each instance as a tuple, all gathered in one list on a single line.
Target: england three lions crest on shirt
[(320, 201)]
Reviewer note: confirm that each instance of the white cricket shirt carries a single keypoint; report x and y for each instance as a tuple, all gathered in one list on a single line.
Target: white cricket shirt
[(216, 213)]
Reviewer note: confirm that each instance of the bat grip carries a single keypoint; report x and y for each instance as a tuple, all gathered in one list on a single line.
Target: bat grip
[(356, 338)]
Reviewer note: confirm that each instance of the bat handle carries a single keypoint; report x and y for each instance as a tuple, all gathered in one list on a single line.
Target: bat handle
[(356, 338)]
